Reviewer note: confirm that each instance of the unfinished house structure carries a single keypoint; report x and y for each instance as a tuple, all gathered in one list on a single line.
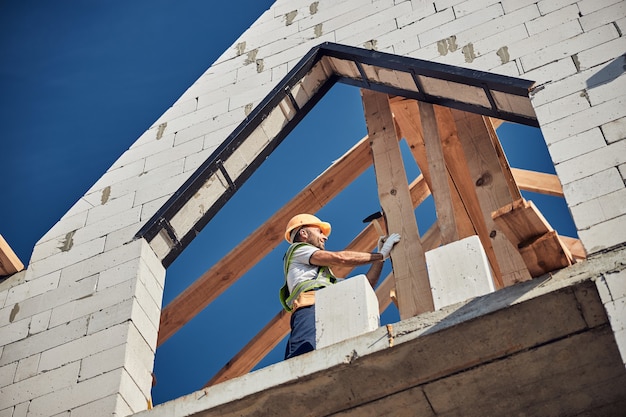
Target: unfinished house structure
[(80, 325)]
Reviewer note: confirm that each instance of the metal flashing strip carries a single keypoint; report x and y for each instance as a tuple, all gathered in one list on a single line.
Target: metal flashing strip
[(254, 139)]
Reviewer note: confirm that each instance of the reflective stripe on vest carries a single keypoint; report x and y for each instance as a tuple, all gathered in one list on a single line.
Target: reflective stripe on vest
[(324, 278)]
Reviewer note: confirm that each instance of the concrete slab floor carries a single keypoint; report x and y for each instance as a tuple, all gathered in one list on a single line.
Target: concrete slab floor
[(543, 347)]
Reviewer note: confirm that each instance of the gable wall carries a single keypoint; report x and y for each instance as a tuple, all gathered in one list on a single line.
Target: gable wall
[(85, 314)]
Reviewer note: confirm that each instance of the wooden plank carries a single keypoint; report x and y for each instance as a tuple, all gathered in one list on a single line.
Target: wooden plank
[(9, 262), (468, 212), (537, 182), (409, 264), (407, 116), (262, 241), (460, 173), (440, 187), (492, 188)]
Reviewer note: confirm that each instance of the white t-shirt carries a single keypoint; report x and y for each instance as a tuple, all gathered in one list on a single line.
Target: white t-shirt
[(300, 269)]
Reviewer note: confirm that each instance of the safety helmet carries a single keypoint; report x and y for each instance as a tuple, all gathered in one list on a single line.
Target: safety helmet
[(305, 220)]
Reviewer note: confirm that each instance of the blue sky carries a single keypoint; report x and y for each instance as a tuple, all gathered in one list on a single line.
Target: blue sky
[(81, 81)]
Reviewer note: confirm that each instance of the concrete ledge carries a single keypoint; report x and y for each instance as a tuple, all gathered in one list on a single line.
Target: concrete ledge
[(545, 332)]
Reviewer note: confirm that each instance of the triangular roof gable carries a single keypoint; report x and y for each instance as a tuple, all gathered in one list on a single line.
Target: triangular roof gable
[(193, 205)]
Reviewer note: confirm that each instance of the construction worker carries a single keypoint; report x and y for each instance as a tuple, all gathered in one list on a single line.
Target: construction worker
[(307, 268)]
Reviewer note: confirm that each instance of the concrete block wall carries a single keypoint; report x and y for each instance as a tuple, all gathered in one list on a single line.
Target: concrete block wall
[(458, 271), (80, 337), (344, 310), (91, 295)]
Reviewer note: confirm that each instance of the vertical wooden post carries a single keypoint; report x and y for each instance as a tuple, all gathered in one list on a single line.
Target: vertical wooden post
[(440, 188), (409, 264)]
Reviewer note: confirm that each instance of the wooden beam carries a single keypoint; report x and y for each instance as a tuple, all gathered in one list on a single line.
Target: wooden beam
[(521, 221), (440, 184), (504, 163), (409, 263), (407, 116), (537, 182), (262, 241), (492, 187), (9, 262), (496, 122), (460, 172)]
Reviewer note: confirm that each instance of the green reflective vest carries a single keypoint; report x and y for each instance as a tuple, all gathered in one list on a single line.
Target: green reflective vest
[(324, 278)]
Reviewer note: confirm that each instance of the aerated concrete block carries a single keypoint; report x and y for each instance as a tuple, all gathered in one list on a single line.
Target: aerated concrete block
[(344, 310), (458, 271)]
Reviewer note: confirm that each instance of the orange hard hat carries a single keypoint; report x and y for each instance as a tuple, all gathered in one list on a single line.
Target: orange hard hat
[(305, 220)]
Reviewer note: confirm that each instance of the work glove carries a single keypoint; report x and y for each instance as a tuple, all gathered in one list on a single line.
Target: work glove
[(384, 246)]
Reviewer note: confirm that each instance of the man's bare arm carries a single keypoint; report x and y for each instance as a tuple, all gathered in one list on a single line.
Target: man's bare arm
[(344, 258)]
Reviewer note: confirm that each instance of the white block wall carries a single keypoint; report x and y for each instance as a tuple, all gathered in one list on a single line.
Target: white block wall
[(458, 271), (89, 281), (78, 331), (344, 310)]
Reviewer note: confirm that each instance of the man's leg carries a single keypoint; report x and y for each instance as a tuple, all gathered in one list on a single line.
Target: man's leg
[(302, 338)]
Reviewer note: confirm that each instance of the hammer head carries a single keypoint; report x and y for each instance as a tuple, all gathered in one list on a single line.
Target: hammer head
[(374, 219), (373, 216)]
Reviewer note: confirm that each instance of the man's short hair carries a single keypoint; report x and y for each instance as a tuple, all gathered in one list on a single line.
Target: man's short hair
[(295, 232)]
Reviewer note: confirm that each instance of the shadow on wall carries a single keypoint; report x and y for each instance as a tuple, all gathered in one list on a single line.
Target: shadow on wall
[(608, 73)]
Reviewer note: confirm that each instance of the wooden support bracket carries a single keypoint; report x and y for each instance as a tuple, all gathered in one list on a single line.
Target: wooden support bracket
[(540, 246)]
